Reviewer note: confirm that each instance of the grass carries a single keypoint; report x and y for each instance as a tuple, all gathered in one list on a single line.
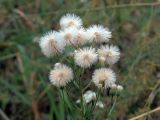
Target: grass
[(24, 70)]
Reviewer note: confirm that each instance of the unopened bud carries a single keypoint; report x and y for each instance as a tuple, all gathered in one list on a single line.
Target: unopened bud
[(119, 87), (57, 64)]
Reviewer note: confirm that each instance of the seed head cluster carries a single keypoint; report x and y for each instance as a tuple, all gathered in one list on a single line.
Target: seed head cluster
[(85, 45)]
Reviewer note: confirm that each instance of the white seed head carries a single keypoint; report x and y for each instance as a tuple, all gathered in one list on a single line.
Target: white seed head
[(61, 75), (103, 77), (70, 20), (88, 96), (51, 44), (69, 35), (110, 53), (81, 38), (98, 34), (85, 57)]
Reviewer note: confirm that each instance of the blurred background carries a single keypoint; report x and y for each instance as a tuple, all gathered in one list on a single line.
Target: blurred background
[(25, 94)]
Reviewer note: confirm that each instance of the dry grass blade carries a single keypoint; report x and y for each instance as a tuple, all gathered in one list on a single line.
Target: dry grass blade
[(145, 114), (35, 110), (24, 18), (4, 116), (154, 92)]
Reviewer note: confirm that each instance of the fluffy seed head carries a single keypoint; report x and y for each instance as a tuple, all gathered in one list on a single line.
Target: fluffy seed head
[(103, 77), (70, 20), (88, 97), (81, 38), (69, 35), (110, 53), (98, 34), (85, 57), (51, 44), (61, 75)]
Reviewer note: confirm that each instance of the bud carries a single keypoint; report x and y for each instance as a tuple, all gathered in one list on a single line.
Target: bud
[(113, 86), (119, 87), (57, 65)]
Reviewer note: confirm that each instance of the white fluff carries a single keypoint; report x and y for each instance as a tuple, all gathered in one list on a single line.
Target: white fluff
[(88, 96), (69, 35), (70, 20), (98, 34), (104, 77), (110, 53), (61, 75), (81, 38), (85, 57), (51, 44)]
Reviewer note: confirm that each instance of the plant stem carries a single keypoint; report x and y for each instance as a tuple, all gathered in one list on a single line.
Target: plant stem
[(81, 97), (113, 106), (82, 101), (62, 95), (97, 97)]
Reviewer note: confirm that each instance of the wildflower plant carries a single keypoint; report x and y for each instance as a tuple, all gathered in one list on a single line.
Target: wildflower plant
[(78, 49)]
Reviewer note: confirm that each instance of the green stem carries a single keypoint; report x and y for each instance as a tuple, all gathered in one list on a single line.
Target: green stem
[(73, 104), (82, 101), (97, 97), (81, 97), (113, 106), (62, 95)]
